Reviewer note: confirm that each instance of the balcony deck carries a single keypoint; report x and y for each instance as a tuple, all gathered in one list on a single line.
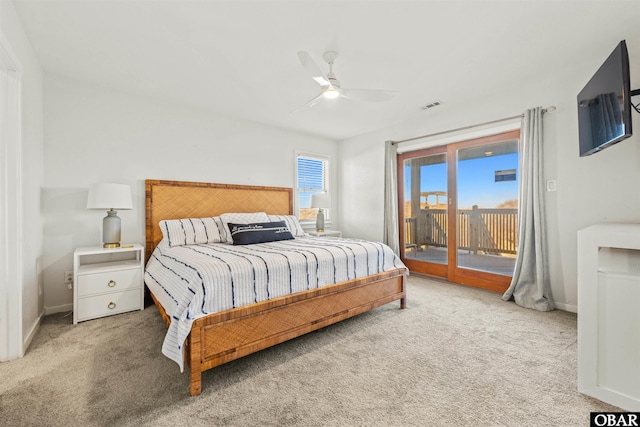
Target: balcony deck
[(497, 264)]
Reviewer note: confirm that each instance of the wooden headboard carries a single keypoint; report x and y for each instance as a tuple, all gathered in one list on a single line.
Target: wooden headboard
[(178, 199)]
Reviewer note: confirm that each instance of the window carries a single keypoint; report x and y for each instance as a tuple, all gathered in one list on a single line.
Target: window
[(312, 176)]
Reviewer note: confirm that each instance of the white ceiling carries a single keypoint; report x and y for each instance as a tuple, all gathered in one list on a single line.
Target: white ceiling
[(239, 57)]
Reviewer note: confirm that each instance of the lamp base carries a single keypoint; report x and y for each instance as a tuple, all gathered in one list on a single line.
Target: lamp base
[(111, 230), (320, 221)]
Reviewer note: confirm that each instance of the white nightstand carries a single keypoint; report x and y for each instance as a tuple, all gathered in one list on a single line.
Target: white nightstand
[(107, 281), (326, 233)]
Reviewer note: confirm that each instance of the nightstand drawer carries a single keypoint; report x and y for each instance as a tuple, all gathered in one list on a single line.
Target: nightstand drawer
[(98, 283), (107, 304)]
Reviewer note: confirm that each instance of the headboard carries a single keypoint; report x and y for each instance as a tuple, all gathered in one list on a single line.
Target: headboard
[(179, 199)]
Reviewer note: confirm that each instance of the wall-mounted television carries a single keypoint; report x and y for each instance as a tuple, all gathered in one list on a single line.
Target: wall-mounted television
[(604, 105)]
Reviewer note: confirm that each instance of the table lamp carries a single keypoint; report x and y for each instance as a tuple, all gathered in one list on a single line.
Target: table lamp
[(320, 201), (110, 197)]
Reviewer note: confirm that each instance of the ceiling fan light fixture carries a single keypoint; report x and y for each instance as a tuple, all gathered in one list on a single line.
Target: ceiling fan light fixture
[(331, 92), (330, 87)]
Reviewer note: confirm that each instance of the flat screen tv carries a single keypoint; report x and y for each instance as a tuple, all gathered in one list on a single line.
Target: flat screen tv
[(604, 105)]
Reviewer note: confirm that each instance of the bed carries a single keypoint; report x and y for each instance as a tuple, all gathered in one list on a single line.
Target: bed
[(223, 336)]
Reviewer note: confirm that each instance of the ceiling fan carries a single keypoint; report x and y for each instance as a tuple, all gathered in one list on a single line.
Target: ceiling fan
[(330, 86)]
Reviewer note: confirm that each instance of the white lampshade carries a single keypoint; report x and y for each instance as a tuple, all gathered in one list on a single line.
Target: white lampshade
[(320, 200), (109, 196)]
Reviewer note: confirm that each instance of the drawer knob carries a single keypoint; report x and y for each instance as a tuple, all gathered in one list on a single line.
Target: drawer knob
[(111, 305), (111, 283)]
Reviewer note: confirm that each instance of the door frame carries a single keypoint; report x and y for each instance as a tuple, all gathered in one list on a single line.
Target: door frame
[(11, 277)]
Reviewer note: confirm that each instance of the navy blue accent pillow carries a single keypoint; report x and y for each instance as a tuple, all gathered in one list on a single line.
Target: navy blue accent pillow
[(259, 232)]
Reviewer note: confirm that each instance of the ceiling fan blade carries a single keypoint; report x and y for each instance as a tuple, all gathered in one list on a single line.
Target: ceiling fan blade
[(309, 104), (312, 68), (368, 95)]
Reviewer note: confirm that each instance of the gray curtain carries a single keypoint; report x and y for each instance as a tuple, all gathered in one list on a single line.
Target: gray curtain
[(530, 286), (391, 237)]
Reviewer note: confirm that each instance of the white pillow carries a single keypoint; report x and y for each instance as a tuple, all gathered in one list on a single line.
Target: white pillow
[(193, 231), (241, 218), (292, 224)]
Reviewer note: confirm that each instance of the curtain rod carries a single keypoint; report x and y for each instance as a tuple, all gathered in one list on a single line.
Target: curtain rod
[(544, 110)]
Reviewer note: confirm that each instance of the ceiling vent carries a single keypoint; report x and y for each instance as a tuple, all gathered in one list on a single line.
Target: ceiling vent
[(431, 105)]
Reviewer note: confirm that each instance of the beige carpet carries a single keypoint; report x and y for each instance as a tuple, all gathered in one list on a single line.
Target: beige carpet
[(456, 356)]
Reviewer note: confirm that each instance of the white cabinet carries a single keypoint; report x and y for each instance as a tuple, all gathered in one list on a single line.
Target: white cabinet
[(609, 314), (107, 281)]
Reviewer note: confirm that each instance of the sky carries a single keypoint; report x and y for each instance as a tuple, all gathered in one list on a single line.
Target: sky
[(476, 181)]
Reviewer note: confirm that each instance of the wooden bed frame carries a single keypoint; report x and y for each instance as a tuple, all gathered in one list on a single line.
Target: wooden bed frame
[(225, 336)]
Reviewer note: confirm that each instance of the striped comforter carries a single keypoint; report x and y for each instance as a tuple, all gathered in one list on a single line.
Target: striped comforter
[(195, 280)]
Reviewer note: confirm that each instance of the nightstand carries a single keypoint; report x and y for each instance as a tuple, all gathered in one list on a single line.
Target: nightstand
[(326, 233), (107, 281)]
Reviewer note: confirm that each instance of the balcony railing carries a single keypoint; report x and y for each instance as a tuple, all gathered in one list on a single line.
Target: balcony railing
[(490, 231)]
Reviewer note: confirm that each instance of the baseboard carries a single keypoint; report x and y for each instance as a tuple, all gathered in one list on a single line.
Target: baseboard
[(58, 309), (566, 307), (32, 333)]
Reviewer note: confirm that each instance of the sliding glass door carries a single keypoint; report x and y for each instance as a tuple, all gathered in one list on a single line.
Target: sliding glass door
[(459, 209), (424, 211)]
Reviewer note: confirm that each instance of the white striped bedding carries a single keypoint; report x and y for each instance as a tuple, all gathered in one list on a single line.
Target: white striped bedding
[(195, 280)]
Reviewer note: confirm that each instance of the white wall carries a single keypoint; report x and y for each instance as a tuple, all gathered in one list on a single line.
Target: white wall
[(600, 188), (31, 169), (96, 134)]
